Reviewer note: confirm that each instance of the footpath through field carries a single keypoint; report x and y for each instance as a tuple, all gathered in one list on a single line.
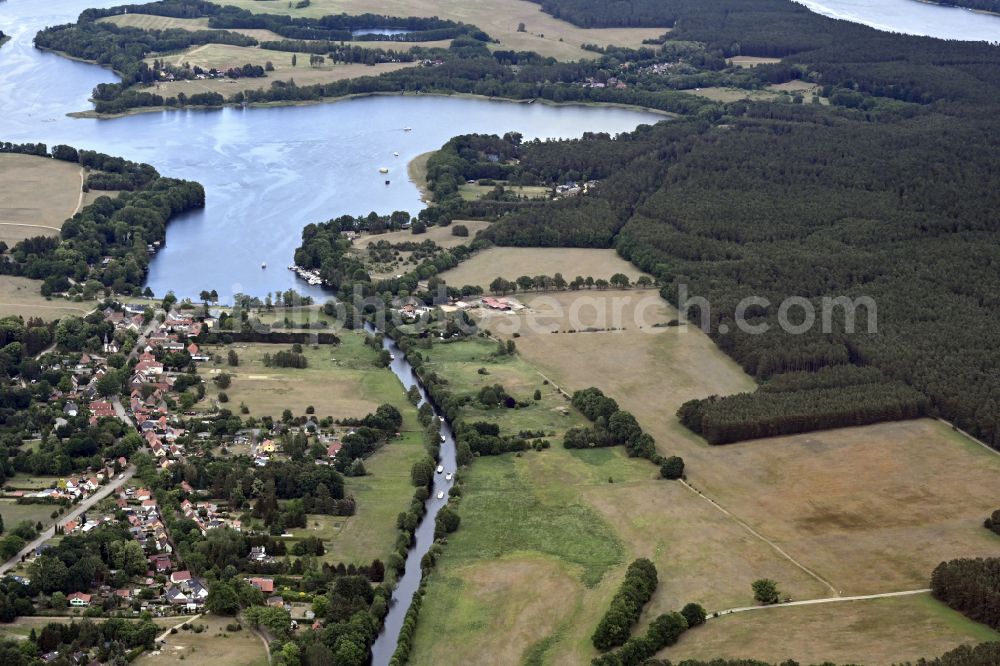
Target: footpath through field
[(825, 600)]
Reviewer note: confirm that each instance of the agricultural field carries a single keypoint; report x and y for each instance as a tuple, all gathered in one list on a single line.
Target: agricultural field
[(215, 646), (150, 22), (224, 56), (876, 632), (543, 34), (37, 196), (546, 536), (511, 262), (866, 510), (340, 380)]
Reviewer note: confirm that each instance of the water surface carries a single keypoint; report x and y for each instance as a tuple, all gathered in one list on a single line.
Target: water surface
[(913, 18)]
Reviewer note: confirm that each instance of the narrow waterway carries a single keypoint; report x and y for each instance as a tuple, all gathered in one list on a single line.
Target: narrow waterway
[(408, 583)]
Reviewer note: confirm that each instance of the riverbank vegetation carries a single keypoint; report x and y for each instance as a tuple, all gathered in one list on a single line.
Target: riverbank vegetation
[(106, 244)]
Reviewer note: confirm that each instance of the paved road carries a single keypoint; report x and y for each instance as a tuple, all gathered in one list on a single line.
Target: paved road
[(86, 504), (825, 600)]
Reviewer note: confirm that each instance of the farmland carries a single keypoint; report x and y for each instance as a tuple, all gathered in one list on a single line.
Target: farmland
[(443, 236), (877, 632), (543, 34), (511, 262), (37, 196), (869, 509)]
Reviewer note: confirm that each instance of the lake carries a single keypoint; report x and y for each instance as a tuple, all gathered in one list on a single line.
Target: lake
[(913, 18)]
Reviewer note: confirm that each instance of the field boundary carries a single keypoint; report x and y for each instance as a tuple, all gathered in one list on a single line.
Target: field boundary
[(824, 600), (974, 439), (763, 538)]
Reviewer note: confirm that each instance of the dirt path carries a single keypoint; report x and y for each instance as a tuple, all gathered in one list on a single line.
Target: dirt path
[(79, 201), (825, 600), (162, 637), (760, 536)]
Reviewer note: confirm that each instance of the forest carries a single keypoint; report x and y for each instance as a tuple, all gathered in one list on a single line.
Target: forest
[(780, 200), (970, 586), (121, 230)]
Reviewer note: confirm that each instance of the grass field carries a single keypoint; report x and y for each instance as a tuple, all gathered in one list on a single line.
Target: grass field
[(511, 262), (543, 34), (37, 196), (13, 513), (22, 296), (875, 632), (473, 192), (440, 235), (340, 381), (150, 22), (213, 647), (869, 509), (224, 56), (752, 61), (382, 495)]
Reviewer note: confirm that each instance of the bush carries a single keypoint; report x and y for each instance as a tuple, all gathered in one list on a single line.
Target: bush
[(672, 468), (765, 591)]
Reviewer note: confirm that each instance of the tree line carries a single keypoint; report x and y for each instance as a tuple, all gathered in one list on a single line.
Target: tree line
[(970, 586), (771, 413)]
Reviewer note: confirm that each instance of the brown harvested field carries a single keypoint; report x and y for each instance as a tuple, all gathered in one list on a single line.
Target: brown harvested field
[(875, 632), (752, 61), (440, 235), (37, 196), (215, 646), (512, 262), (21, 296), (543, 34), (871, 509), (723, 94), (93, 195), (224, 56)]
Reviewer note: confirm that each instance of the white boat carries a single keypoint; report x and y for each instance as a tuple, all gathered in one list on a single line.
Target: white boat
[(407, 129), (395, 154), (441, 419), (392, 357), (440, 469), (442, 438), (441, 495), (383, 170), (263, 264), (447, 477)]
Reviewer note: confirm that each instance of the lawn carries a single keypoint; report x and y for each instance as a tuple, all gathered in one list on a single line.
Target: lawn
[(752, 61), (215, 646), (37, 196), (512, 262), (875, 632), (543, 34), (22, 481), (340, 381)]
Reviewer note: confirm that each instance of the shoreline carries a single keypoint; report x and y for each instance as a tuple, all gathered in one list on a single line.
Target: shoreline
[(416, 169), (985, 12), (343, 98)]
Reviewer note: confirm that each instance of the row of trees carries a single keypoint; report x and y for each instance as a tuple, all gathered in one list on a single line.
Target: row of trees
[(637, 589), (771, 413), (557, 282), (663, 632)]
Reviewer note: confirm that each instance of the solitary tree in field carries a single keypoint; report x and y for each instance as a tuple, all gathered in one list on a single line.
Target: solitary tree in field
[(765, 591)]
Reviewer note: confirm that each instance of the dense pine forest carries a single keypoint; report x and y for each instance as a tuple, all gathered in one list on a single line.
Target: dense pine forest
[(971, 586), (803, 200)]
